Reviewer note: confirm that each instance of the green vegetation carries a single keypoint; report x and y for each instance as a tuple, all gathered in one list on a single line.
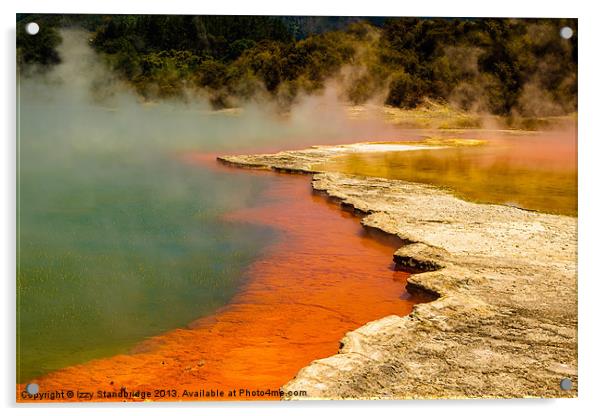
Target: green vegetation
[(506, 67), (228, 57)]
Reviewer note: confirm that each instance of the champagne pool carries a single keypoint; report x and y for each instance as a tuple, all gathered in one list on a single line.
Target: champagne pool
[(119, 239)]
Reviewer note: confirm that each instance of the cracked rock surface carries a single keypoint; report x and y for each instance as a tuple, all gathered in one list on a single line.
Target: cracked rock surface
[(505, 321)]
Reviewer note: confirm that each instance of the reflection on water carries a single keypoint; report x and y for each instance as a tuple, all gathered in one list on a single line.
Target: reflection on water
[(536, 172)]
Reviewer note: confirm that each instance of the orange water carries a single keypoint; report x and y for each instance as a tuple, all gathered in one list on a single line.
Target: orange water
[(324, 277)]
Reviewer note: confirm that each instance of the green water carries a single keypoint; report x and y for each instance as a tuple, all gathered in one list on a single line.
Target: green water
[(118, 239)]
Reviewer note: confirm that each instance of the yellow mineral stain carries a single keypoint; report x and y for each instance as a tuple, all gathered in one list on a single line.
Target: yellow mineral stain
[(535, 172)]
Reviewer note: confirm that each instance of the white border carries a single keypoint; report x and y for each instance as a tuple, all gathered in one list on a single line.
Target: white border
[(590, 139)]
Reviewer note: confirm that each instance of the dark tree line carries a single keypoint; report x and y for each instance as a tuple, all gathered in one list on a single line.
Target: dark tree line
[(502, 66)]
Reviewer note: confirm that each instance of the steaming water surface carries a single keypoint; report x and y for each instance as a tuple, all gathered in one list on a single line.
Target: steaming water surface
[(118, 238)]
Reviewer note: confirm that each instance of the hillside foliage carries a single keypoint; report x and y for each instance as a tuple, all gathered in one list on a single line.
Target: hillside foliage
[(501, 66)]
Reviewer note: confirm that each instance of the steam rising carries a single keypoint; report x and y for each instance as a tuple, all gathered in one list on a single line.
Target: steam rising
[(84, 84), (119, 239)]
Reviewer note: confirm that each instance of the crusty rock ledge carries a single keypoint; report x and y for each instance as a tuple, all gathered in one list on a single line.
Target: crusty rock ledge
[(505, 322)]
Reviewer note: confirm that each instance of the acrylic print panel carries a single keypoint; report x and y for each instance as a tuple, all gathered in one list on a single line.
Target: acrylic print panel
[(169, 250)]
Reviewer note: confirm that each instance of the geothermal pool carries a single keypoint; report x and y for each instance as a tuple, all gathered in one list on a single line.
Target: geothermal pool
[(143, 263), (120, 237)]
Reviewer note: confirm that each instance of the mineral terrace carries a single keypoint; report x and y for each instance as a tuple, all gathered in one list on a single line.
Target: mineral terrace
[(505, 320)]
